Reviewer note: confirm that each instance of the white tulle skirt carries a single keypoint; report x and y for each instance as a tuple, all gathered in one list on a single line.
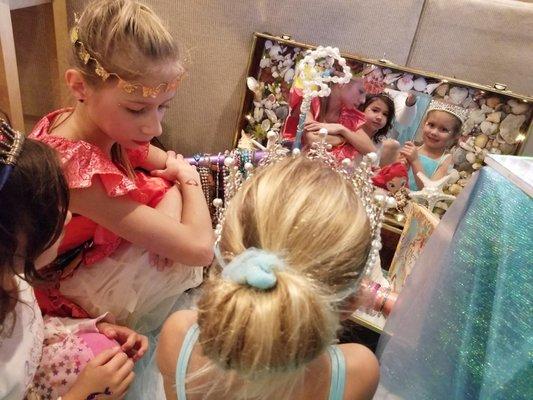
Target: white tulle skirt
[(128, 287)]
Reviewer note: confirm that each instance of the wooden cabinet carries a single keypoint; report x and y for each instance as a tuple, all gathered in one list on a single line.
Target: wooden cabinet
[(31, 14)]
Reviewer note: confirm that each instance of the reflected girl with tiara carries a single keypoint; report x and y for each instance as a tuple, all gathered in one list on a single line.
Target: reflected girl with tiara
[(441, 127)]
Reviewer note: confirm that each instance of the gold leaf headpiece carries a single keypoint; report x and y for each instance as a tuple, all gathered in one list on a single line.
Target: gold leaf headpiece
[(128, 87)]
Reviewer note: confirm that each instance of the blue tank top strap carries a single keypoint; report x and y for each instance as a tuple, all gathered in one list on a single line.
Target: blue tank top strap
[(183, 360), (338, 373)]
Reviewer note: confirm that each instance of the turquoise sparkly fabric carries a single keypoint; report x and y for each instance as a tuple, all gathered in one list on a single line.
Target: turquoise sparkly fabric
[(462, 327)]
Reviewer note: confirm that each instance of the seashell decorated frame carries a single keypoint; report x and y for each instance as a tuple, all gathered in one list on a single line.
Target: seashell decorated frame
[(498, 121)]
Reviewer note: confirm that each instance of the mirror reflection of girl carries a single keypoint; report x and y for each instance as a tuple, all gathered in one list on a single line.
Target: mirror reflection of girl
[(441, 127), (272, 335), (125, 72), (379, 111), (49, 357), (339, 114)]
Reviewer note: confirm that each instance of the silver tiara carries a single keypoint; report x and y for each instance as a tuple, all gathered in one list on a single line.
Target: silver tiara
[(359, 176), (456, 111), (11, 142)]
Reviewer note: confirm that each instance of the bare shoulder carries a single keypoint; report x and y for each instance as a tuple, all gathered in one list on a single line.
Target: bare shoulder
[(171, 338), (362, 371)]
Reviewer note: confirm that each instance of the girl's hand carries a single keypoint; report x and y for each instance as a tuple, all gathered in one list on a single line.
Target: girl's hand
[(410, 100), (109, 374), (410, 152), (333, 129), (310, 138), (132, 343), (177, 169)]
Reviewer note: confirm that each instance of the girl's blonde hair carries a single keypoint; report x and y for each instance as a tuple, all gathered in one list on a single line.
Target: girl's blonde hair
[(128, 39), (305, 212)]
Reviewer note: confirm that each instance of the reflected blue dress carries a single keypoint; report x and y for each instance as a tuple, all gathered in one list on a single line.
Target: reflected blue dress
[(429, 165)]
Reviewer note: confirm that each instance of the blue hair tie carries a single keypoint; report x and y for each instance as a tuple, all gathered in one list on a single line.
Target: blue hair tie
[(252, 267)]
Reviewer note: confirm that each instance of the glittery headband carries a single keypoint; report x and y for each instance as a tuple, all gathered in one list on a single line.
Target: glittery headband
[(456, 111), (11, 142), (128, 87)]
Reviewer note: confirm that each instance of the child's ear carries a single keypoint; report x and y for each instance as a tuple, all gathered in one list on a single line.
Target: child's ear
[(76, 84)]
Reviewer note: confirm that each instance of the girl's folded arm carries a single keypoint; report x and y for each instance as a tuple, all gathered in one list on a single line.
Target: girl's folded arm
[(189, 241), (359, 140)]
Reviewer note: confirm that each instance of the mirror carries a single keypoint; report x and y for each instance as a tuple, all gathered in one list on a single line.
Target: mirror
[(495, 120), (475, 120)]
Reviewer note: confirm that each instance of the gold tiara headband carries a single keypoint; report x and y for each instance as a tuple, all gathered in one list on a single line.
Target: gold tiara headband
[(128, 87)]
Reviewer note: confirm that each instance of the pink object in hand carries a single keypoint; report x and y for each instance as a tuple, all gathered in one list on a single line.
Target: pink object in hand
[(97, 342)]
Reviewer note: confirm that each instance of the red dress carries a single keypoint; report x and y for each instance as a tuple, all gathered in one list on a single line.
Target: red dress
[(351, 118), (81, 162)]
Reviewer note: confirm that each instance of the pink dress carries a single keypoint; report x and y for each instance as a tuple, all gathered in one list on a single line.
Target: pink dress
[(352, 119), (115, 275)]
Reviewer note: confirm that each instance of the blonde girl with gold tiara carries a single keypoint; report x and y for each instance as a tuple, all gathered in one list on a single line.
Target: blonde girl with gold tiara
[(293, 246), (125, 72)]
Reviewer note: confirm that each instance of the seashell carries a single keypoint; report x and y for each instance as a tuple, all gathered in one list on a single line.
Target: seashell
[(390, 78), (453, 176), (268, 44), (420, 84), (405, 83), (458, 94), (475, 117), (265, 63), (271, 116), (282, 112), (471, 158), (488, 128), (442, 89), (494, 117), (265, 125), (467, 145), (486, 109), (252, 83), (476, 166), (274, 51), (463, 174), (431, 87), (258, 114), (458, 155), (510, 127), (493, 102), (481, 140), (289, 75), (463, 181), (495, 151), (469, 101), (455, 189), (507, 148), (518, 107)]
